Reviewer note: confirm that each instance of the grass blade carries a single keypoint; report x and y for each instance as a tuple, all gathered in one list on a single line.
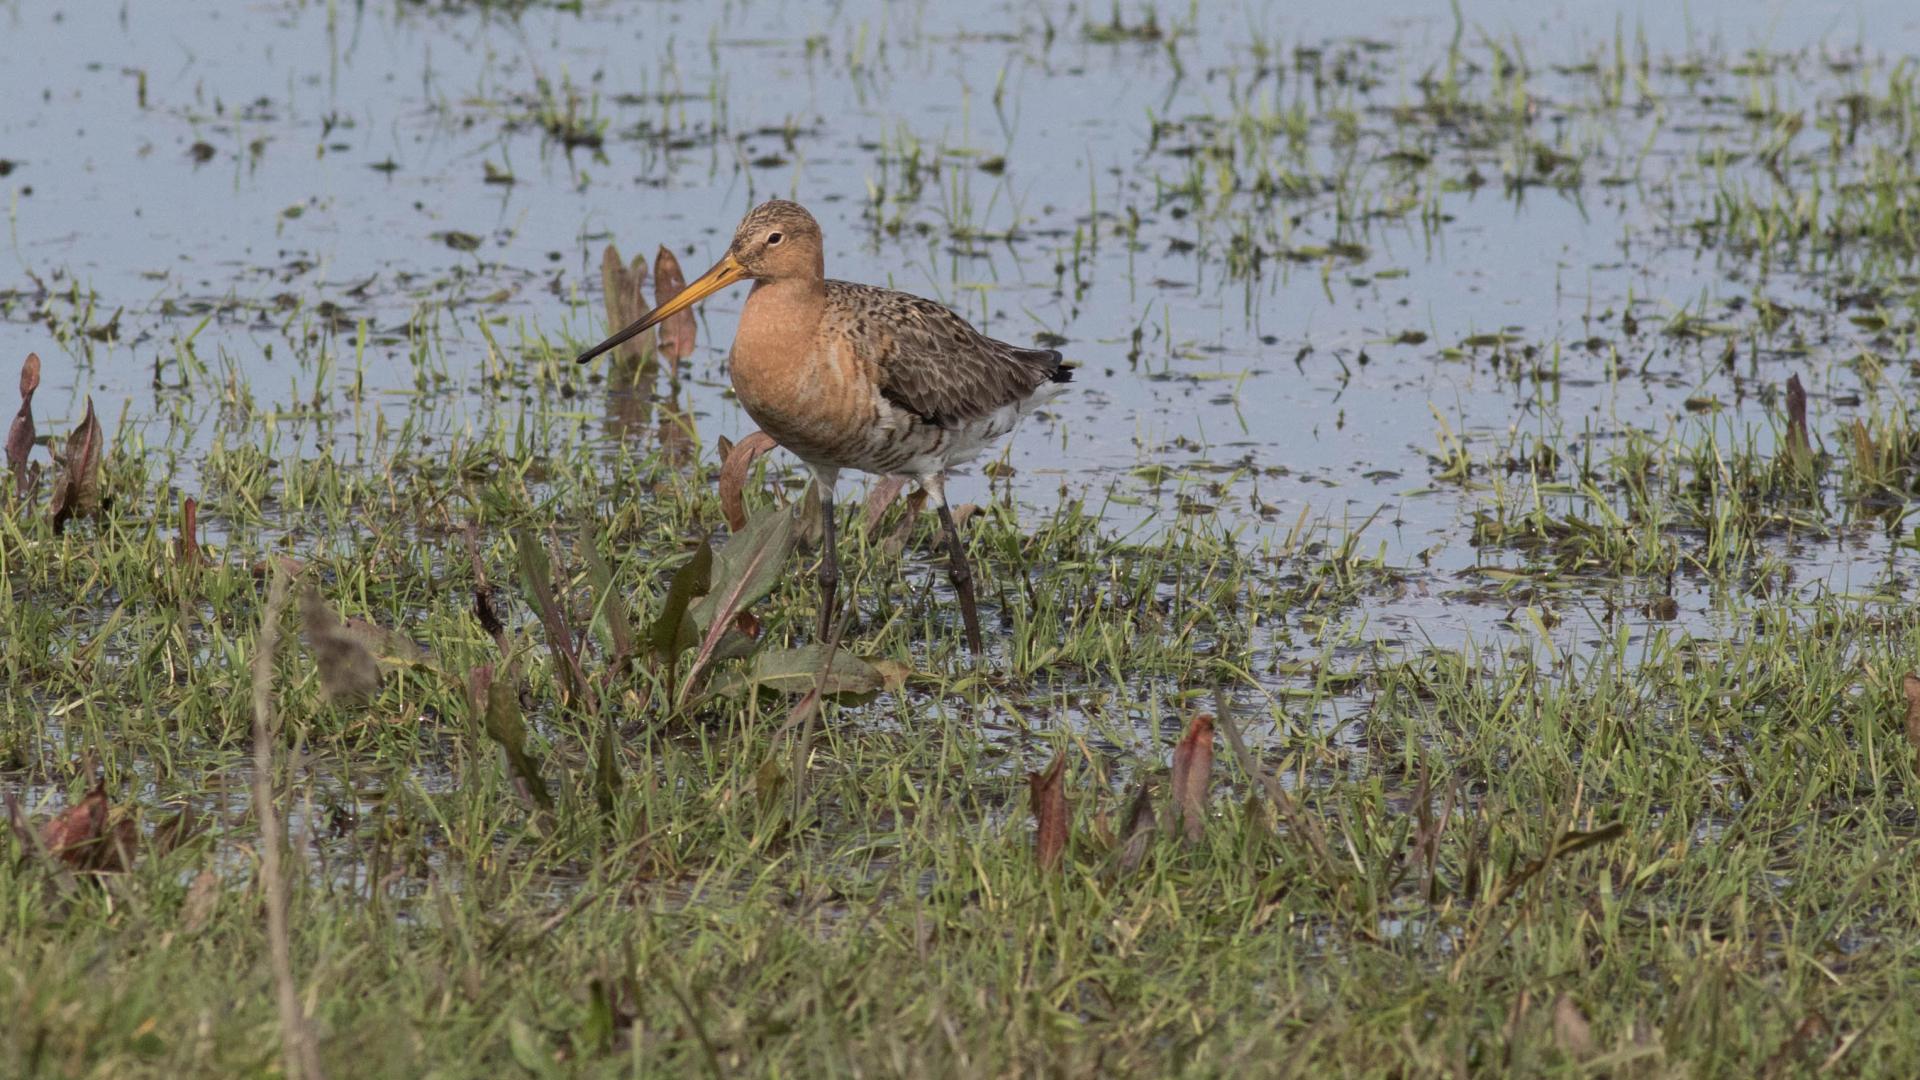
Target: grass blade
[(536, 576), (299, 1052), (608, 603)]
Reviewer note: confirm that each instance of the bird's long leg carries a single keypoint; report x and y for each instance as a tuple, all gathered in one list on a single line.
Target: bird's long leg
[(824, 480), (958, 569)]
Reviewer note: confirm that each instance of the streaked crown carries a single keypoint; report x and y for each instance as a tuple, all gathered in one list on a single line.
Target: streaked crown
[(778, 239)]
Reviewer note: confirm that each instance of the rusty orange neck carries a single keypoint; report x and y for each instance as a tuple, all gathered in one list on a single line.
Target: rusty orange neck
[(773, 349)]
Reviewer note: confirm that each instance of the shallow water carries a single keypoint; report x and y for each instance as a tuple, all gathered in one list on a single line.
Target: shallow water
[(236, 190)]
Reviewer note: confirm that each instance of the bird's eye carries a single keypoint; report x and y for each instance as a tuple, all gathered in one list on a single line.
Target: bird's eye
[(772, 239)]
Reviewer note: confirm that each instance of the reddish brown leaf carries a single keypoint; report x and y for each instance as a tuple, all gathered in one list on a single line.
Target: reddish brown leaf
[(884, 493), (479, 688), (1911, 684), (186, 549), (1797, 415), (78, 826), (116, 854), (626, 296), (85, 837), (20, 434), (677, 332), (1193, 777), (733, 476), (897, 542), (77, 492), (263, 568), (748, 624), (1049, 797)]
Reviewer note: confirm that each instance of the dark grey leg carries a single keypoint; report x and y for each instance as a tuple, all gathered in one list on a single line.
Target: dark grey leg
[(962, 576), (829, 562)]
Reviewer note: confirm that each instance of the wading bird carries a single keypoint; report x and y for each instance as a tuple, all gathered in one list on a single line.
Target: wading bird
[(852, 376)]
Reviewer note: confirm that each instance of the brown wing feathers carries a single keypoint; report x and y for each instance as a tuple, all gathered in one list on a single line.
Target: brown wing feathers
[(934, 365)]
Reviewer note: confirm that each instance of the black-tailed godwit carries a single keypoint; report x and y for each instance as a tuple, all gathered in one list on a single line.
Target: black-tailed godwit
[(852, 376)]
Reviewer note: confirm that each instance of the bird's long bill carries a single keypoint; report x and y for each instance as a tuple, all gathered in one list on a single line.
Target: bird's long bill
[(724, 273)]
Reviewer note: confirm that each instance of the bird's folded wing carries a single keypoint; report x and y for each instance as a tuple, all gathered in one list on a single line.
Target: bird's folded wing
[(936, 366)]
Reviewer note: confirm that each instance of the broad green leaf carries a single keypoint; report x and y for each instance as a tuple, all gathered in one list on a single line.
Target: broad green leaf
[(501, 714), (672, 632), (796, 671), (747, 567)]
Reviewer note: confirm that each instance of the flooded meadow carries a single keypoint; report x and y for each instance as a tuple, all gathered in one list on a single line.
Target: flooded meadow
[(1456, 623)]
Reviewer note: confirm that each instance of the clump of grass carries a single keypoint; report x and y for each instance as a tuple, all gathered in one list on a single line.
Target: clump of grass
[(1882, 459), (565, 113), (1118, 29)]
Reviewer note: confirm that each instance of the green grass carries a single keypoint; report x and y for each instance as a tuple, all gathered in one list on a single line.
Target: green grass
[(120, 657), (860, 894)]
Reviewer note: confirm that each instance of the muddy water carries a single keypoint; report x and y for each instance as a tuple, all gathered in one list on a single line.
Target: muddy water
[(1234, 216)]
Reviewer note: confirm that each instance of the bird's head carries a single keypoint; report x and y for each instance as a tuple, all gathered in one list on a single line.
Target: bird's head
[(777, 240)]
